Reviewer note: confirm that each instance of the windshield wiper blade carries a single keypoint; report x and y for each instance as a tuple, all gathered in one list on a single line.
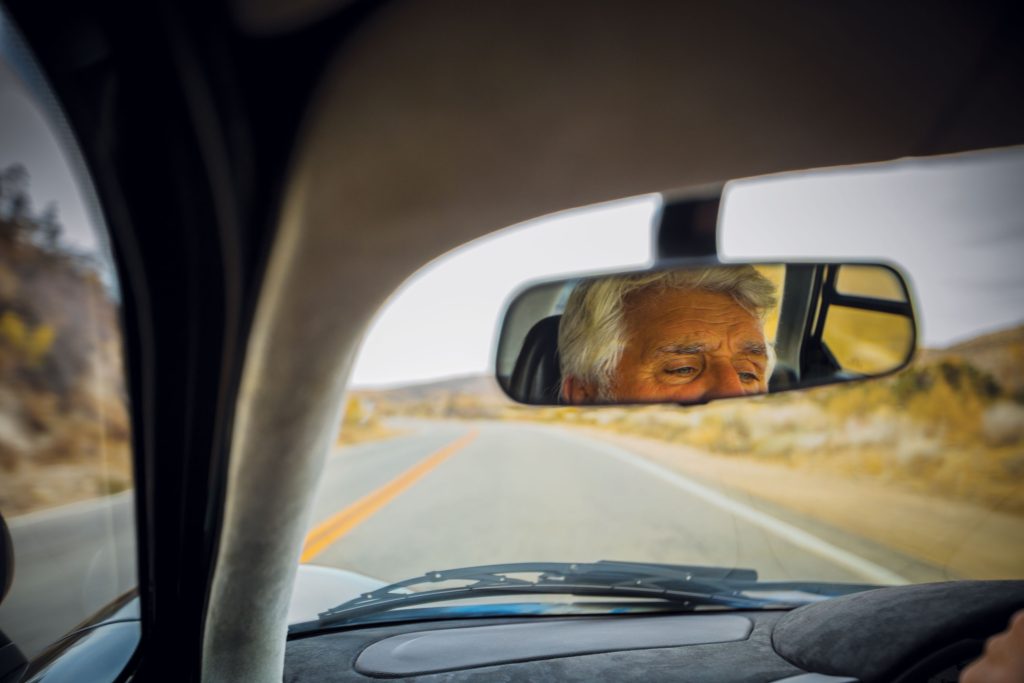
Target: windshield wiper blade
[(690, 586)]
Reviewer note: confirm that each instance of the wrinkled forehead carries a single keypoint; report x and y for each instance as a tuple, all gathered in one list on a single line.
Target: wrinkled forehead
[(674, 304), (663, 316)]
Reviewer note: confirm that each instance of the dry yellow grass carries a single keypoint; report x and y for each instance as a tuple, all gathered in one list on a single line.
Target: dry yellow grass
[(944, 430), (351, 435), (361, 423), (35, 486)]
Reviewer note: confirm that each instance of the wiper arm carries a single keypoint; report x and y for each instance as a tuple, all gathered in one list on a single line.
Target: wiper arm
[(691, 586)]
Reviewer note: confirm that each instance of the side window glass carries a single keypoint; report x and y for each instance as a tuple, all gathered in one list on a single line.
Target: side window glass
[(65, 433)]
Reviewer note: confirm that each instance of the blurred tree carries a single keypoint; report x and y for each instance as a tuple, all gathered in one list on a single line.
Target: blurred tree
[(17, 219), (15, 204), (49, 226)]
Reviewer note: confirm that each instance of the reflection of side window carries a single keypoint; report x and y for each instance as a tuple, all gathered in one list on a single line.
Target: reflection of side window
[(868, 319), (65, 456)]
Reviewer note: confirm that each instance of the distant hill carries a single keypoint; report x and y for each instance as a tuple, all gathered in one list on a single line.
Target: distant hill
[(1001, 354), (466, 396), (484, 385)]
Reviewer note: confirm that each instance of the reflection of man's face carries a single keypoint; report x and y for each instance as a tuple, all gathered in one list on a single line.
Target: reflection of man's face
[(688, 346)]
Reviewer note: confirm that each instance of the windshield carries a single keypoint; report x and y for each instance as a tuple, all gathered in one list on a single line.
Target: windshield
[(910, 478)]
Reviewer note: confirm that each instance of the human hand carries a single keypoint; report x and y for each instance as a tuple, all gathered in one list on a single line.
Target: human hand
[(1003, 659)]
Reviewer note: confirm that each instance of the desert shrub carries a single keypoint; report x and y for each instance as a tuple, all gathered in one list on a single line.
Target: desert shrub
[(948, 409), (1003, 424), (958, 374)]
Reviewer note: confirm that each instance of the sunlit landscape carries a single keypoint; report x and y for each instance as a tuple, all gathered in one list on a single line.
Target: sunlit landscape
[(929, 460), (64, 424)]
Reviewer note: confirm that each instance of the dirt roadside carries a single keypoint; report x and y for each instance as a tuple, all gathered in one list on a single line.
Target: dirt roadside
[(968, 540)]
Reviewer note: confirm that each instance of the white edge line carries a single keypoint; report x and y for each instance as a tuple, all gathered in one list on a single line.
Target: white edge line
[(869, 570)]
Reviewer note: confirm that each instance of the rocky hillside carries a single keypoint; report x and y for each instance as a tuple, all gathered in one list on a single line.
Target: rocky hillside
[(64, 426), (1000, 354)]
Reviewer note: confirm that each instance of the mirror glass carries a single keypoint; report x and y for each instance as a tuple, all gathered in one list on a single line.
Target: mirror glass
[(695, 333)]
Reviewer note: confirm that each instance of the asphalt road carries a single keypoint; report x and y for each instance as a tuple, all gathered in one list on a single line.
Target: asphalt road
[(453, 494), (522, 492), (69, 562)]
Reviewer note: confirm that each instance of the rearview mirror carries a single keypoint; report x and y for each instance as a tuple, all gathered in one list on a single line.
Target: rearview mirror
[(694, 333)]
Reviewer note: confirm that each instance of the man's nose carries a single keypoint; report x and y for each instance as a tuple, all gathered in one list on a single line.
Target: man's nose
[(725, 381)]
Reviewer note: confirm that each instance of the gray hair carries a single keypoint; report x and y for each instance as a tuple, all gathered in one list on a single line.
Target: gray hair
[(592, 335)]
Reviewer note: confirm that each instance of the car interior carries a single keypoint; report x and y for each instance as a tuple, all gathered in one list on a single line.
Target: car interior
[(272, 171)]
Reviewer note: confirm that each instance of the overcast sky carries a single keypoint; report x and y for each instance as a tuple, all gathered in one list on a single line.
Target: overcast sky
[(954, 224), (27, 137)]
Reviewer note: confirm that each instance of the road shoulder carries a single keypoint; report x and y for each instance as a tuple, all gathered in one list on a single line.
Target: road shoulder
[(959, 538)]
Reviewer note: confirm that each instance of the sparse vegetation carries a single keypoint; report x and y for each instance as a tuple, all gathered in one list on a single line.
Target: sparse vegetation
[(361, 422), (929, 462), (943, 427), (64, 424)]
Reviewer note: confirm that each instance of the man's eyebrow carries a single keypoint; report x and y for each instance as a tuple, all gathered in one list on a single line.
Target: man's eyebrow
[(683, 349), (754, 347)]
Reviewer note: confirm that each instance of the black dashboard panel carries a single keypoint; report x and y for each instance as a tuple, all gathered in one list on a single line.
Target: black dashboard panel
[(909, 633), (332, 657), (422, 652), (879, 634)]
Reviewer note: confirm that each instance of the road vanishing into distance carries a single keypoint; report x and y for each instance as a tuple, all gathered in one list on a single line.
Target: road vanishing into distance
[(451, 494), (461, 493)]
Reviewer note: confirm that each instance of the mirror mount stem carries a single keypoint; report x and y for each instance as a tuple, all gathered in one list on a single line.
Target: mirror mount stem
[(687, 227)]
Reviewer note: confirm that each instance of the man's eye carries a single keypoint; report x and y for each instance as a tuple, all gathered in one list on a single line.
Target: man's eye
[(684, 371), (749, 377)]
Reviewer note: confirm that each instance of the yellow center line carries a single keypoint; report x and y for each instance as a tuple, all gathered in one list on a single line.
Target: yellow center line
[(347, 519)]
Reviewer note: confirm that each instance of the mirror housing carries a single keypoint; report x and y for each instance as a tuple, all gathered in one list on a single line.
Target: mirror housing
[(695, 330)]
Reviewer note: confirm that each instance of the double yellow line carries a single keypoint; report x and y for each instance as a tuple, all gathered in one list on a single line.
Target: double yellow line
[(344, 521)]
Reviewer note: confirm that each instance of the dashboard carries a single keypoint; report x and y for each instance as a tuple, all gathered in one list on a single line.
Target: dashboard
[(926, 632)]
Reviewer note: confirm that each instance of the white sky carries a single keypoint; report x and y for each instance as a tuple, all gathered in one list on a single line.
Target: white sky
[(27, 137), (955, 225), (451, 307)]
